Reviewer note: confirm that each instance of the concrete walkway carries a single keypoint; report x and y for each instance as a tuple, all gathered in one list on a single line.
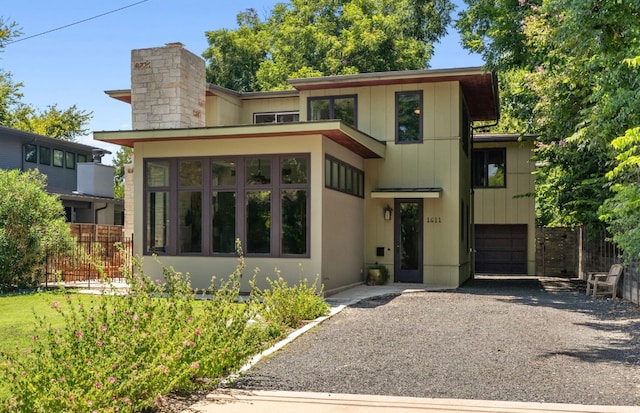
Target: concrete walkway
[(260, 401)]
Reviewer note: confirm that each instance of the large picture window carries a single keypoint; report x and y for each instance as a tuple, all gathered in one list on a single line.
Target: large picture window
[(333, 107), (263, 200), (489, 168), (30, 153), (409, 117)]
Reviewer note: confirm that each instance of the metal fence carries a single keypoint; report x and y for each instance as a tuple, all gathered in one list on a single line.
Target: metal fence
[(92, 259)]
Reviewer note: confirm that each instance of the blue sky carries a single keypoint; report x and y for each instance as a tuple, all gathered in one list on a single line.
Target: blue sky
[(75, 65)]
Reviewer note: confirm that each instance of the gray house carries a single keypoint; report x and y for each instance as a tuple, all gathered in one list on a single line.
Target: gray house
[(74, 172)]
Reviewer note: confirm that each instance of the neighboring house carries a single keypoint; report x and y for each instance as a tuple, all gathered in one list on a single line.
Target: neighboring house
[(333, 176), (73, 170)]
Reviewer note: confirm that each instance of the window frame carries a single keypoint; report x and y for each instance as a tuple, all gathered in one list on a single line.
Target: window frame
[(44, 160), (420, 137), (241, 188), (31, 153), (333, 165), (70, 160), (276, 116), (485, 167), (58, 163), (332, 100)]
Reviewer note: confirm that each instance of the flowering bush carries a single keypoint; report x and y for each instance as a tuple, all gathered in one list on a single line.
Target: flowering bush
[(124, 351)]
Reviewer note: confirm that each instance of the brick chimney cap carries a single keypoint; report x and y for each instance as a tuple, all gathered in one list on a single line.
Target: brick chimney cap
[(174, 44)]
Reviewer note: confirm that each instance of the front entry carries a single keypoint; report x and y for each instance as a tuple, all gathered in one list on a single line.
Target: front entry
[(408, 241)]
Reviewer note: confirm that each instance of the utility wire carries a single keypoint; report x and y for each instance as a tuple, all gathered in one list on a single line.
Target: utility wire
[(75, 23)]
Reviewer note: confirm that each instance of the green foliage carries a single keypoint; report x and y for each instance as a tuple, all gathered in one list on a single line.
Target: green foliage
[(124, 350), (291, 305), (32, 225), (383, 277), (622, 211), (326, 37), (567, 83), (124, 156)]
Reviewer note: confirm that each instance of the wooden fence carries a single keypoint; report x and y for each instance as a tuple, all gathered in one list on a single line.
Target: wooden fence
[(100, 252)]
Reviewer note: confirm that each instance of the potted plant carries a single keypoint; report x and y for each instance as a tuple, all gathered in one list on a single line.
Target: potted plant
[(378, 274)]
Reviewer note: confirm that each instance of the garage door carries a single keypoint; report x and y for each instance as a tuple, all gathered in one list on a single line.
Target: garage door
[(501, 249)]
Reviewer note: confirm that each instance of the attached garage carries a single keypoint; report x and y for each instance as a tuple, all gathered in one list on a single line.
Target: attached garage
[(501, 249)]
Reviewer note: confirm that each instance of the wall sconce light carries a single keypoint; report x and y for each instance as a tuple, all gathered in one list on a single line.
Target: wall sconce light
[(387, 213)]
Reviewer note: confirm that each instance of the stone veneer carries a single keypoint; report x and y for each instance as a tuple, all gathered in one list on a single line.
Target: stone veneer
[(167, 88)]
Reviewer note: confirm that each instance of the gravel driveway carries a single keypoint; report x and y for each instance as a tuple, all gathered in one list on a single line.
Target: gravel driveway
[(534, 340)]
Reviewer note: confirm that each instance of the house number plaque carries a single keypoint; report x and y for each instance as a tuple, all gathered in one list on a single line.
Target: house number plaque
[(434, 220)]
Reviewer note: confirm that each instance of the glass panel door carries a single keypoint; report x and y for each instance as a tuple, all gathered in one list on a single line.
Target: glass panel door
[(408, 241)]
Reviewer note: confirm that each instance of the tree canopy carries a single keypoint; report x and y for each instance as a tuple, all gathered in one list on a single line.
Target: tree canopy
[(66, 124), (326, 37)]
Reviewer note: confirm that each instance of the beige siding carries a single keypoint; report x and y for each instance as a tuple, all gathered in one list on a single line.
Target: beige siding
[(223, 110), (506, 205)]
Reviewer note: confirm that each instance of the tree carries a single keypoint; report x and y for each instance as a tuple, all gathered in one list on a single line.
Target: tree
[(66, 124), (32, 225), (577, 95), (323, 38), (123, 157)]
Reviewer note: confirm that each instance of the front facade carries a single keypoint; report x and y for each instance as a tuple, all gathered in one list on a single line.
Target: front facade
[(74, 173), (326, 179)]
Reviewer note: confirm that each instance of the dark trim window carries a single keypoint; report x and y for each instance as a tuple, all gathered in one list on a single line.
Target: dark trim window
[(343, 177), (409, 118), (30, 153), (263, 200), (490, 168), (276, 117), (82, 158), (58, 158), (333, 107), (45, 155), (70, 160)]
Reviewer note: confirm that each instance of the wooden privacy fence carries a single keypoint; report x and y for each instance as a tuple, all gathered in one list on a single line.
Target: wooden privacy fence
[(100, 251)]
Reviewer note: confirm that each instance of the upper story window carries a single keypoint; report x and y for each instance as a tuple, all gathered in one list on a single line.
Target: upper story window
[(276, 117), (45, 155), (409, 117), (58, 158), (489, 168), (333, 107), (82, 158), (30, 153), (70, 160)]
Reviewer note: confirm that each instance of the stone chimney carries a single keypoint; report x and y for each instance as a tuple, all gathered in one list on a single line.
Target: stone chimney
[(167, 88)]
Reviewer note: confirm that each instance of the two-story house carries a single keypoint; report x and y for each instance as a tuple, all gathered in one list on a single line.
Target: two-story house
[(338, 173), (74, 173)]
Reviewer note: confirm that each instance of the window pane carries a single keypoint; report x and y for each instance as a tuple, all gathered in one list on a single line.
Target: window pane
[(409, 107), (319, 109), (70, 160), (478, 168), (258, 222), (223, 207), (294, 222), (45, 155), (58, 158), (349, 180), (495, 168), (288, 117), (30, 153), (294, 171), (157, 225), (327, 172), (190, 219), (345, 109), (190, 173), (82, 157), (265, 118), (223, 172), (258, 171), (157, 173), (343, 172)]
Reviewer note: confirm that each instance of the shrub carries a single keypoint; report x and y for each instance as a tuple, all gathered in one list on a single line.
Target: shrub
[(32, 224), (291, 305)]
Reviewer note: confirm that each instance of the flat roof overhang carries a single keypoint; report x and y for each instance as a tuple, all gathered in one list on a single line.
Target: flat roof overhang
[(480, 88), (387, 193), (336, 130)]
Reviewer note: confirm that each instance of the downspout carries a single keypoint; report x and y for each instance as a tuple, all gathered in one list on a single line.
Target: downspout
[(95, 212)]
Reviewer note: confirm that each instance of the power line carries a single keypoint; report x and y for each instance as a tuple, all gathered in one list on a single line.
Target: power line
[(75, 23)]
